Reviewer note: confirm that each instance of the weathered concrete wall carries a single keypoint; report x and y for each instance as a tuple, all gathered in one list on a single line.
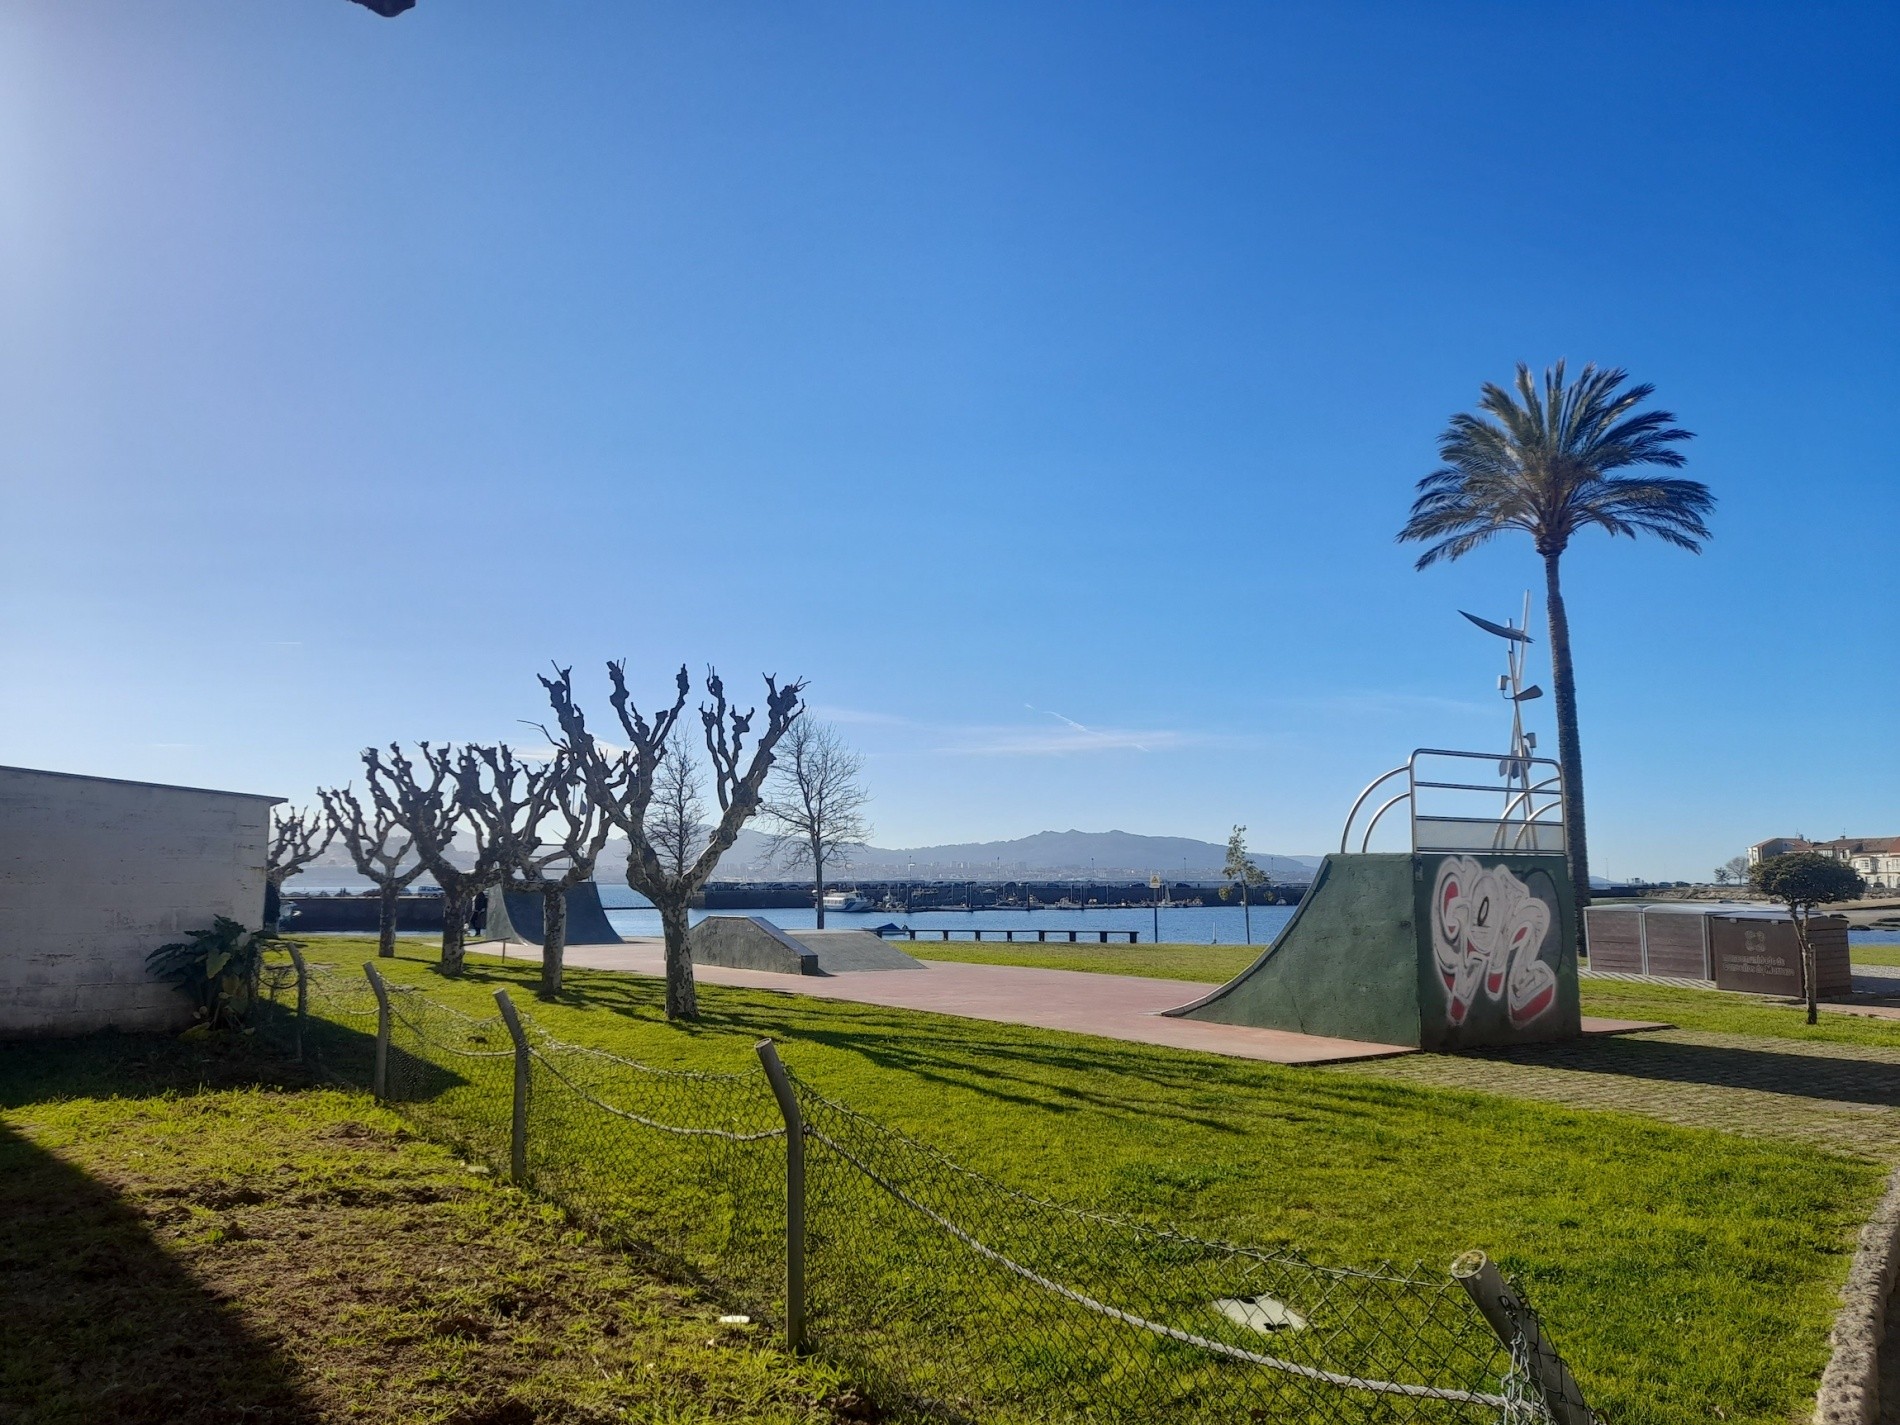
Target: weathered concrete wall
[(94, 875)]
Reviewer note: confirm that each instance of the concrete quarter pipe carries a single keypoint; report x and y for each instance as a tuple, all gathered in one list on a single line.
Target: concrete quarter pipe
[(518, 917), (747, 942), (1440, 950)]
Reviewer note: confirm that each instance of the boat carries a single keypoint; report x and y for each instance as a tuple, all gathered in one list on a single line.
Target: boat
[(846, 901)]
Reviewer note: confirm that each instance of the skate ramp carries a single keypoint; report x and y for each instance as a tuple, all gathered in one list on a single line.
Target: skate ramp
[(1436, 950), (513, 916), (747, 942)]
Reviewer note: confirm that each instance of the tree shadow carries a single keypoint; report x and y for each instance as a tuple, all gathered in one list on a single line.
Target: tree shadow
[(102, 1324), (1843, 1079), (1044, 1070)]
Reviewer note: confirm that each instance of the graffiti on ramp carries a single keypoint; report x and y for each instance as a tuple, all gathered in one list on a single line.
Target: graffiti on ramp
[(1488, 936)]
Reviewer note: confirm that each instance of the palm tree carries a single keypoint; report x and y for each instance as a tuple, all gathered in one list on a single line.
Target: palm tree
[(1544, 462)]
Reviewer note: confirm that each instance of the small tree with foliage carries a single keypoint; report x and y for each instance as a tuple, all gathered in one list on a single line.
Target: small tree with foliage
[(1241, 873), (1802, 881)]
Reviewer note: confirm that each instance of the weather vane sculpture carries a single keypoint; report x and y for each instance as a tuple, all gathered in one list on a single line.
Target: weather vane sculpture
[(1515, 769)]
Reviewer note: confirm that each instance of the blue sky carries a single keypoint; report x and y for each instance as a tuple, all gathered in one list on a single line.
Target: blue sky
[(1045, 383)]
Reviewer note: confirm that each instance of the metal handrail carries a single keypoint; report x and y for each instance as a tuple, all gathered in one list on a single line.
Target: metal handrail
[(1525, 802), (1345, 836), (1365, 842)]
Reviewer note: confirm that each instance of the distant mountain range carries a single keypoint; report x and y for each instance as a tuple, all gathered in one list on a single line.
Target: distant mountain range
[(1051, 855)]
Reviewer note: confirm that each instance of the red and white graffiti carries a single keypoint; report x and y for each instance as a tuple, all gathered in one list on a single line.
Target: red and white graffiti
[(1489, 935)]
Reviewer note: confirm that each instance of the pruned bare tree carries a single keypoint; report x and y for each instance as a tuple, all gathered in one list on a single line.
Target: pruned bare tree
[(556, 844), (432, 806), (623, 782), (816, 803), (378, 848), (298, 835)]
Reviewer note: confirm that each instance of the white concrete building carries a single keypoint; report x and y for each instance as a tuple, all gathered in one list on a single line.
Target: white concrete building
[(97, 873)]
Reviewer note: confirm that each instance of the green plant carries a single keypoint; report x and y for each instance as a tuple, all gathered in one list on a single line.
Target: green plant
[(219, 968), (1801, 881), (1546, 462)]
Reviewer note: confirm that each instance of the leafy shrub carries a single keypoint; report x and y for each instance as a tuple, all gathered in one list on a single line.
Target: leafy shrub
[(218, 968)]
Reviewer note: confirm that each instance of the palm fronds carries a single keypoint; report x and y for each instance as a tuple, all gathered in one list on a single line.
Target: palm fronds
[(1541, 458)]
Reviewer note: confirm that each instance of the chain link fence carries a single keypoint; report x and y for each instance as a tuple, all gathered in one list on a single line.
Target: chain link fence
[(948, 1295)]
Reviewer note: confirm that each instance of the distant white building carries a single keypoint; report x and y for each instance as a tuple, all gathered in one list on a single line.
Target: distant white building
[(95, 874), (1877, 858)]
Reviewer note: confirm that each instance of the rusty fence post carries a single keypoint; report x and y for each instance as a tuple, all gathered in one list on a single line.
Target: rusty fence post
[(794, 1194)]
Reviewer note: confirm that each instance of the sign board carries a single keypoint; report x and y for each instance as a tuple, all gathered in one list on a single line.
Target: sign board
[(1755, 956), (1154, 883)]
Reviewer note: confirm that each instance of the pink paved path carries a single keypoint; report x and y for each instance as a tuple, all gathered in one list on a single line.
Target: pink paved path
[(1112, 1006)]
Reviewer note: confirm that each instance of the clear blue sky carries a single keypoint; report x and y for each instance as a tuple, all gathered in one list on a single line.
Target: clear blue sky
[(1043, 382)]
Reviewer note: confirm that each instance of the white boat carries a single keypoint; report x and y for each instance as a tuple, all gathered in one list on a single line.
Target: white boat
[(846, 901)]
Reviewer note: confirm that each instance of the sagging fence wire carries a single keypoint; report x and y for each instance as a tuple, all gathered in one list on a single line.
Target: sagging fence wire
[(946, 1292)]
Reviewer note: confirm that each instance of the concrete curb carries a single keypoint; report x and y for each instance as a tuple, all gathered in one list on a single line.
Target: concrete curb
[(1850, 1386)]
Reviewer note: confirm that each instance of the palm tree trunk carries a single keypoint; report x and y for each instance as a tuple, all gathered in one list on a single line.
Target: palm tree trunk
[(1563, 674), (553, 940)]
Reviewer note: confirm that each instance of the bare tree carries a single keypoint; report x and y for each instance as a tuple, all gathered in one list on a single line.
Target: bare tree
[(816, 806), (676, 822), (432, 806), (550, 859), (298, 835), (624, 783), (378, 847)]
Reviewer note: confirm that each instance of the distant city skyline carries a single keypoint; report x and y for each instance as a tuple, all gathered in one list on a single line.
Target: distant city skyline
[(1045, 385)]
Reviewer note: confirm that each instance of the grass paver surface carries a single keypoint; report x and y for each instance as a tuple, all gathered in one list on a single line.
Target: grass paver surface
[(187, 1241), (1685, 1271)]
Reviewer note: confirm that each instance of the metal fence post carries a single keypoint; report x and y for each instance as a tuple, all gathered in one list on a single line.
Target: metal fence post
[(303, 992), (518, 1127), (1513, 1320), (794, 1194), (379, 1080)]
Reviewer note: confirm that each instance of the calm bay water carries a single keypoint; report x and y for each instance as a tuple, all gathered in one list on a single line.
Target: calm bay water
[(1197, 925)]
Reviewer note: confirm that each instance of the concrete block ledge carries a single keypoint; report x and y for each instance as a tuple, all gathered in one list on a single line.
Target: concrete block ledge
[(1850, 1386)]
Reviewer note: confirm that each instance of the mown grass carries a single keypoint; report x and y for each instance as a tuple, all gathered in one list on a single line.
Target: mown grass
[(1875, 953), (1209, 964), (1689, 1275), (191, 1237)]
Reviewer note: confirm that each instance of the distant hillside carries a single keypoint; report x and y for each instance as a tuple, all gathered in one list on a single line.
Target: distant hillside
[(1058, 855)]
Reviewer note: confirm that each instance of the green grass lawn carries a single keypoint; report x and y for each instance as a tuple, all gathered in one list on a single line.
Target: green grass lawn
[(1884, 953), (1209, 964), (192, 1237), (1682, 1271)]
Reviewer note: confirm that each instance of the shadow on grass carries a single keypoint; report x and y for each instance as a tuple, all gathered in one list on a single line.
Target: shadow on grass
[(101, 1323), (1842, 1079), (1044, 1070)]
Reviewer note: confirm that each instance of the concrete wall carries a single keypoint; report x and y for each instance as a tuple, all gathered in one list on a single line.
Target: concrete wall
[(95, 874)]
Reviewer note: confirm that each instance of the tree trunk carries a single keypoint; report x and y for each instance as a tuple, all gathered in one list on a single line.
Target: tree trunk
[(682, 1000), (1807, 964), (1563, 675), (455, 910), (1246, 911), (553, 940), (386, 921), (818, 883)]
